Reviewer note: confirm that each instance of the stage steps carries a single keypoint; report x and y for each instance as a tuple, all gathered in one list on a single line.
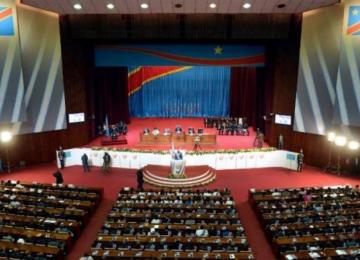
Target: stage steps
[(196, 176)]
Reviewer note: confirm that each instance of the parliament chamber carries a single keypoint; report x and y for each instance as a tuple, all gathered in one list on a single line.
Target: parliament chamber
[(173, 129)]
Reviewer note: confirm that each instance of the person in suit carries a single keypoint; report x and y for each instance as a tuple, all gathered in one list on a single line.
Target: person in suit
[(61, 156), (85, 162), (300, 160), (280, 145), (140, 179), (1, 166), (58, 177), (197, 143), (178, 129), (106, 162)]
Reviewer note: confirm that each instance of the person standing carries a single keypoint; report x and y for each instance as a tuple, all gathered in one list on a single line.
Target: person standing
[(140, 179), (197, 143), (1, 166), (106, 163), (85, 162), (280, 142), (300, 160), (58, 177), (61, 156)]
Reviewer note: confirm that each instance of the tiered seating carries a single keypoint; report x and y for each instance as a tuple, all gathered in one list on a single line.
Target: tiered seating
[(172, 224), (311, 222), (42, 221)]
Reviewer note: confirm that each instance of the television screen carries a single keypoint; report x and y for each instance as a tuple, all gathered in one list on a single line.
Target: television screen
[(282, 119), (76, 118)]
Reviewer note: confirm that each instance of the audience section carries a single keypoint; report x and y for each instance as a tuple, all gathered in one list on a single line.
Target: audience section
[(172, 224), (305, 223), (42, 221)]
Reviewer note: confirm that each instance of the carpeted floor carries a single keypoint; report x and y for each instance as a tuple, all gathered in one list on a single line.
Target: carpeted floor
[(137, 125), (238, 181)]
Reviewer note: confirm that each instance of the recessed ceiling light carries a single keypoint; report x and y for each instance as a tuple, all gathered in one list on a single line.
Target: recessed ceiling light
[(212, 5), (110, 6), (247, 5), (77, 6), (144, 6)]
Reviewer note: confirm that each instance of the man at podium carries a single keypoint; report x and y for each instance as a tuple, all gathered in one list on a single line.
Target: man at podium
[(177, 164)]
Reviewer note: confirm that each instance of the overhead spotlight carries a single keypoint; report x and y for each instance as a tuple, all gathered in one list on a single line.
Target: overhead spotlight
[(144, 6), (77, 6), (110, 6), (340, 140), (212, 5), (353, 145), (331, 136), (5, 136), (246, 5)]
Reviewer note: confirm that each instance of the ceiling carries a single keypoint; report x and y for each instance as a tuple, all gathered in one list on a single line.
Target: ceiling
[(168, 6)]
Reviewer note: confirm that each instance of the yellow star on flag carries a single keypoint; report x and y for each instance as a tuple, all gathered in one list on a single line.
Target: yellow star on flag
[(355, 12), (218, 50)]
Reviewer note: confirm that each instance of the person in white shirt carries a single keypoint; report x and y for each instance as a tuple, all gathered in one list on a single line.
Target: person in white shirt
[(202, 232)]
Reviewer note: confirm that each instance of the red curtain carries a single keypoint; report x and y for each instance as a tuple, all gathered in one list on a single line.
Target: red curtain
[(248, 95), (111, 95)]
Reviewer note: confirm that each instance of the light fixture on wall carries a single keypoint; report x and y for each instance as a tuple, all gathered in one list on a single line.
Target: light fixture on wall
[(5, 138)]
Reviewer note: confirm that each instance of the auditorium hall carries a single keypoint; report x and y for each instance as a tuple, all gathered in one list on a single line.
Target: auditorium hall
[(179, 129)]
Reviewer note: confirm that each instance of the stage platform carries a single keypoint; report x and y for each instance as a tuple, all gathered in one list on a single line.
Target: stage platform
[(195, 176), (137, 125)]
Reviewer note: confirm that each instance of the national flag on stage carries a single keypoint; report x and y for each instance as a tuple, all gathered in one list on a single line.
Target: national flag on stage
[(107, 130), (6, 21), (353, 25)]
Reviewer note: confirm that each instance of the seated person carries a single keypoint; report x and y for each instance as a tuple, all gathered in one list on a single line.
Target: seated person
[(166, 131), (202, 232), (156, 131), (178, 129), (146, 131), (200, 131), (191, 131)]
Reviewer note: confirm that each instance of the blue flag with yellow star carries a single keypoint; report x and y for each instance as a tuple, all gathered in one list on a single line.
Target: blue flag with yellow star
[(180, 55), (353, 25)]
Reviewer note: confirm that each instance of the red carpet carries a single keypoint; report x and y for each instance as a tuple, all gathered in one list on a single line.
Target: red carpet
[(238, 181), (137, 125)]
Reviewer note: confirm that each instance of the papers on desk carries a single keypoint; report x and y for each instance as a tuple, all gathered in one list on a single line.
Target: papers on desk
[(314, 255), (341, 252), (290, 257)]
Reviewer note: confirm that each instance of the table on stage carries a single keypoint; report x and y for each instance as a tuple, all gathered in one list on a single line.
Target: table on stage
[(182, 138)]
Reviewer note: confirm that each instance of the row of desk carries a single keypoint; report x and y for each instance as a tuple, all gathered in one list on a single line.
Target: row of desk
[(181, 138)]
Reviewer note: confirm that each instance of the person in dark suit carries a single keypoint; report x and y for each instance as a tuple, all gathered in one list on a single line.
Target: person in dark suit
[(300, 160), (140, 179), (106, 162), (197, 143), (85, 162), (58, 177), (178, 129), (61, 156)]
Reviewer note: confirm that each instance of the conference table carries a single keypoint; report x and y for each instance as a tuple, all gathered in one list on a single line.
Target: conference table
[(177, 138)]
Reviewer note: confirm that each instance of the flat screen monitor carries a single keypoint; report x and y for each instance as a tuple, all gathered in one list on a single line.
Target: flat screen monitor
[(76, 118), (282, 119)]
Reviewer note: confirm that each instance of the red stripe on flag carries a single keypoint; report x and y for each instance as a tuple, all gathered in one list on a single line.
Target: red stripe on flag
[(5, 13), (254, 59), (354, 28), (143, 75)]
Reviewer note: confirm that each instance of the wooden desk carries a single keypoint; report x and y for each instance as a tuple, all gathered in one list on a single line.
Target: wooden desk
[(205, 139), (147, 254)]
